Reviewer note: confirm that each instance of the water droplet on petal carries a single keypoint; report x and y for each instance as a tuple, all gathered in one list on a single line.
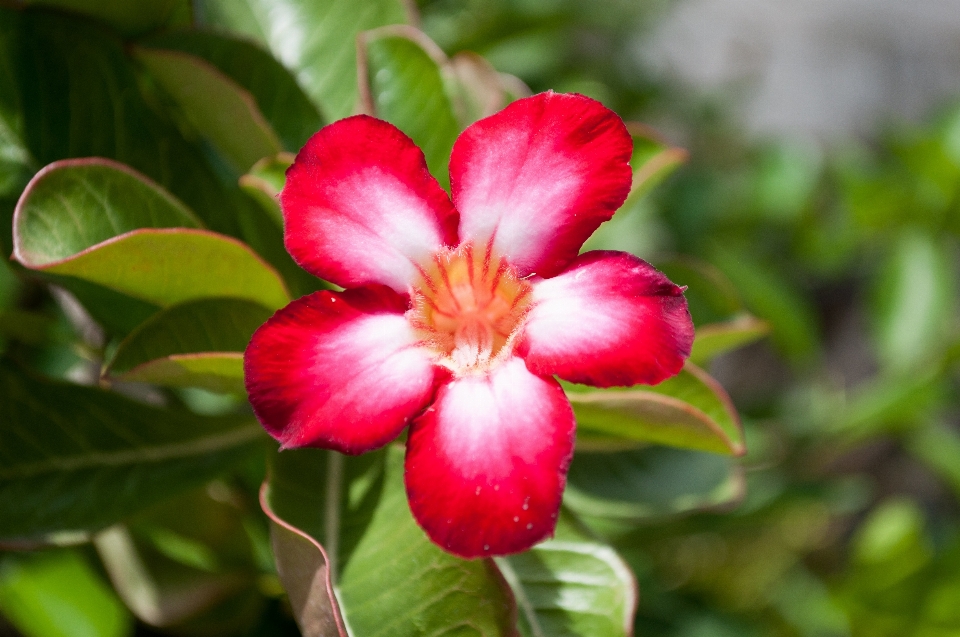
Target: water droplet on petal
[(486, 547), (516, 518), (530, 525)]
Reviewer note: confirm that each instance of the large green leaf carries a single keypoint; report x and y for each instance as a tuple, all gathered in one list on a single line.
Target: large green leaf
[(195, 344), (407, 80), (278, 96), (314, 38), (571, 585), (129, 17), (76, 459), (115, 229), (16, 165), (690, 410), (218, 107), (81, 98), (59, 594), (613, 491), (392, 580)]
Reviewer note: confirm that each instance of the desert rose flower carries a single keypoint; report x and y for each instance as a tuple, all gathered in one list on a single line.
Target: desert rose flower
[(458, 315)]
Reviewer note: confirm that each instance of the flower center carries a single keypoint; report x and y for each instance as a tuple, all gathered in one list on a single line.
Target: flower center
[(468, 306)]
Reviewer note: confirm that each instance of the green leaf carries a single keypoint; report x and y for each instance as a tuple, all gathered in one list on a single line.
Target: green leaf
[(571, 585), (481, 89), (277, 95), (313, 38), (690, 410), (129, 17), (81, 98), (717, 338), (74, 204), (116, 229), (773, 297), (612, 492), (76, 459), (179, 561), (409, 86), (392, 579), (914, 301), (195, 344), (710, 295), (303, 568), (264, 182), (214, 104), (653, 160), (59, 594)]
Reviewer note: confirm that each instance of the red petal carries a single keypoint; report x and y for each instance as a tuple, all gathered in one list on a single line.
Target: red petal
[(360, 207), (609, 319), (538, 177), (487, 463), (341, 370)]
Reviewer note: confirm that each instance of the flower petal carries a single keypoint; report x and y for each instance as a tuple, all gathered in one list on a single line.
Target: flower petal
[(537, 178), (487, 463), (608, 319), (359, 206), (340, 370)]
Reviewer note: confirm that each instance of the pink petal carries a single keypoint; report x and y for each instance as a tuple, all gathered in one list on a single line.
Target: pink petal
[(608, 319), (340, 370), (360, 207), (537, 178), (487, 463)]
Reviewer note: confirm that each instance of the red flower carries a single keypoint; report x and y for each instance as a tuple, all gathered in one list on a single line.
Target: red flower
[(457, 315)]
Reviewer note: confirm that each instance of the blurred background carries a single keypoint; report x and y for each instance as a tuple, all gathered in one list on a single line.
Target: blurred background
[(821, 195), (824, 186)]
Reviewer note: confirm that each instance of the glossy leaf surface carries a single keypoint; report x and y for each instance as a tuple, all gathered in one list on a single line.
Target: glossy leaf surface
[(408, 78), (79, 459), (314, 38), (690, 410), (571, 585)]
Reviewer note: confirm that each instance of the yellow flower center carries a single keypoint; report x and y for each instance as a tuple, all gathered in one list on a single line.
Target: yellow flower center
[(468, 306)]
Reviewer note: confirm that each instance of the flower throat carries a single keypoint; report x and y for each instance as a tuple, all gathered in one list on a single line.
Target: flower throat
[(468, 306)]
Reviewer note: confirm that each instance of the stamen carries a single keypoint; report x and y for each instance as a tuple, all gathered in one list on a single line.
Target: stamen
[(472, 317)]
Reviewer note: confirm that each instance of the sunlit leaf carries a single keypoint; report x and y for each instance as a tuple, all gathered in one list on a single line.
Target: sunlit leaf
[(214, 104), (571, 585), (117, 230), (690, 410), (194, 344), (410, 85), (79, 459), (59, 594), (313, 38)]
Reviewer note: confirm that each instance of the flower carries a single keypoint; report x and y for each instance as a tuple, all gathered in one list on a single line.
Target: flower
[(458, 315)]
